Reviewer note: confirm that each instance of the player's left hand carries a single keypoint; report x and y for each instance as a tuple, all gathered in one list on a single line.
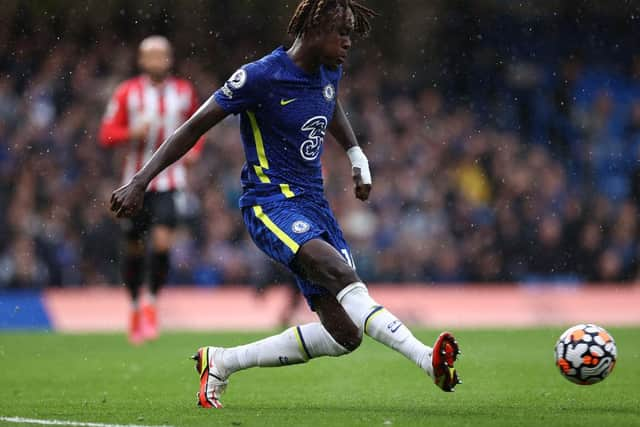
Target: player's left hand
[(127, 200), (362, 190)]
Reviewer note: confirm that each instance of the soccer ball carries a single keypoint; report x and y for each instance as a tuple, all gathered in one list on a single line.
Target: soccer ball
[(586, 354)]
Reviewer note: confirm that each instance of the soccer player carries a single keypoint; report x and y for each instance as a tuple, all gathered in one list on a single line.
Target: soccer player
[(141, 114), (287, 101)]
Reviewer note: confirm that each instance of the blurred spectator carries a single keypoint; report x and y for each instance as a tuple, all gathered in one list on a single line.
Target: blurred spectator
[(21, 267), (141, 114)]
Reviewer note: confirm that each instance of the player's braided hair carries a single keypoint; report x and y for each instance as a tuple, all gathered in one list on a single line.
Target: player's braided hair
[(311, 13)]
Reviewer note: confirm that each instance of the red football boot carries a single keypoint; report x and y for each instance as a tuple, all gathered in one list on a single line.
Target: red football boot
[(445, 353)]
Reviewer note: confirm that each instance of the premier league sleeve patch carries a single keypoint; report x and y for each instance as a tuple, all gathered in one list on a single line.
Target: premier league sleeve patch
[(240, 92), (235, 82), (238, 79)]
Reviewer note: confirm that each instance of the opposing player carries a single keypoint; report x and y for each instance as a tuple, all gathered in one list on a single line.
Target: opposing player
[(141, 114), (286, 102)]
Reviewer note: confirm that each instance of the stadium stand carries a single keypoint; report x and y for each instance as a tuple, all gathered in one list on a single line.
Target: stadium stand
[(504, 143)]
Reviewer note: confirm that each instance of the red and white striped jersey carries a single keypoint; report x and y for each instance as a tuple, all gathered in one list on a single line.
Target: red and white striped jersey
[(165, 107)]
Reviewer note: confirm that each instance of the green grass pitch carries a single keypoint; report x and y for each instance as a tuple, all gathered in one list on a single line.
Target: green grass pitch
[(509, 380)]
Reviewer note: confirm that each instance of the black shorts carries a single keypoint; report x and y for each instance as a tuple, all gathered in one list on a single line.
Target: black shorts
[(158, 208)]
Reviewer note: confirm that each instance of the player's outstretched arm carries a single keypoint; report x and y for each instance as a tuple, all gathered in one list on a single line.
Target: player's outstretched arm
[(342, 131), (127, 200)]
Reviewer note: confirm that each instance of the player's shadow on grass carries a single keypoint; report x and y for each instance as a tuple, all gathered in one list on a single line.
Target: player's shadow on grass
[(437, 409), (357, 410)]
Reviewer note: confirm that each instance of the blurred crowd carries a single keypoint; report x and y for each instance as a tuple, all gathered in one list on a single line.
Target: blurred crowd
[(511, 169)]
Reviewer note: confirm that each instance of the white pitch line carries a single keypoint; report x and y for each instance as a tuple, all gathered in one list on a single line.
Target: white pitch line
[(67, 423)]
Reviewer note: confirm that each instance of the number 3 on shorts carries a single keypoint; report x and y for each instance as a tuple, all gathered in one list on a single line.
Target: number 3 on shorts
[(347, 256)]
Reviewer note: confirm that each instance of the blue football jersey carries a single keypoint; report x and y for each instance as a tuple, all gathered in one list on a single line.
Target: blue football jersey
[(284, 115)]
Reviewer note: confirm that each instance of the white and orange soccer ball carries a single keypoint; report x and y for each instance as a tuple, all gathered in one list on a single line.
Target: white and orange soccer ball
[(586, 354)]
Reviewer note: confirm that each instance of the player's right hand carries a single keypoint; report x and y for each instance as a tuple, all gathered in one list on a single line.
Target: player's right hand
[(362, 190), (127, 200)]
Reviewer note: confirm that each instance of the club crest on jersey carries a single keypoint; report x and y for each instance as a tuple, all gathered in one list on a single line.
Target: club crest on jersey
[(329, 92), (300, 227)]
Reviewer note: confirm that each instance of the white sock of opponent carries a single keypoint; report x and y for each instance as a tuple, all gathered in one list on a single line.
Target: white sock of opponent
[(383, 326), (295, 345)]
